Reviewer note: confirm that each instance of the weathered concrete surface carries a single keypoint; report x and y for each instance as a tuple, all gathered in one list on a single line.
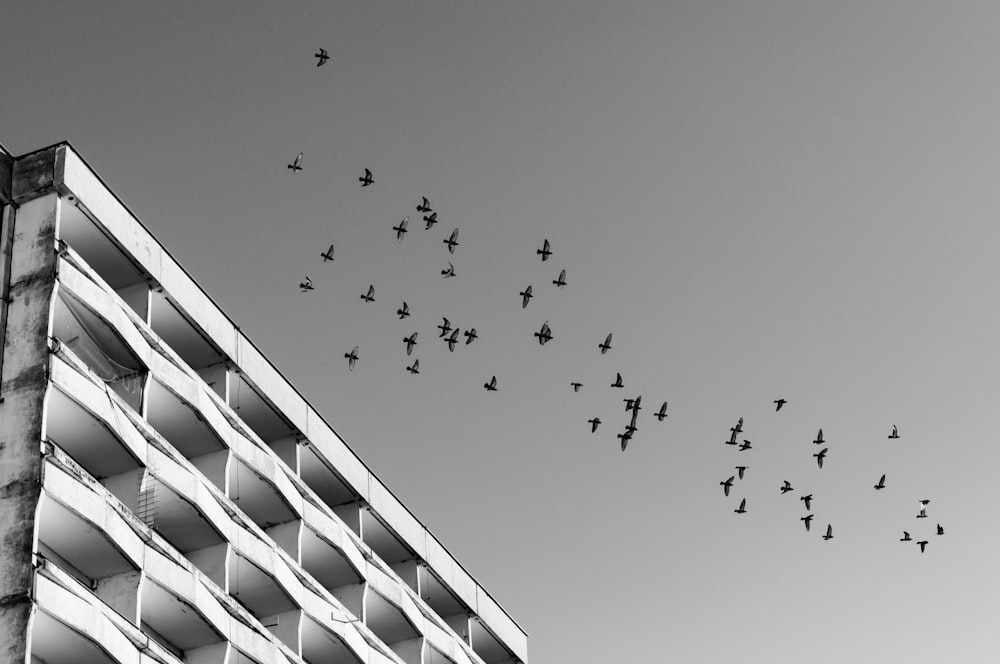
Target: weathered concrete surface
[(37, 174), (6, 167), (25, 362)]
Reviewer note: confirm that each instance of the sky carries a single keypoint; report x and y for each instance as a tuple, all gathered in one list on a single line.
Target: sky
[(760, 200)]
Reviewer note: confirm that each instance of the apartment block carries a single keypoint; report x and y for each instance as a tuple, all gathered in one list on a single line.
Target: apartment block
[(165, 494)]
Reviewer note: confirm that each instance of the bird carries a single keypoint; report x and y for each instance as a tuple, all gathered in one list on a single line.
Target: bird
[(787, 487), (662, 413), (807, 500), (415, 368), (606, 346), (633, 404), (328, 254), (625, 437), (425, 205), (881, 483), (819, 438), (404, 312), (306, 285), (492, 385), (445, 327), (740, 470), (820, 456), (732, 439), (545, 251), (906, 537), (778, 404), (470, 335), (296, 165), (576, 386), (618, 381), (352, 358), (923, 509), (745, 445), (321, 57), (430, 220), (561, 281), (594, 423), (727, 484), (895, 433), (401, 229), (923, 545), (452, 241), (742, 508), (366, 179), (940, 530), (544, 334), (452, 340), (738, 428), (807, 519), (370, 295), (829, 532), (525, 296), (410, 342), (448, 272)]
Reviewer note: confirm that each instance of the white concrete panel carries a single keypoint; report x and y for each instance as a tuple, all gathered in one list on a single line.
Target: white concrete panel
[(397, 517)]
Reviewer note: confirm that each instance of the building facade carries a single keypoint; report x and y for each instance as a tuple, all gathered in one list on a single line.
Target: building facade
[(165, 494)]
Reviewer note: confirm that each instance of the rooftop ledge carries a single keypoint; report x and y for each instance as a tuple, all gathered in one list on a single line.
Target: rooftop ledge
[(58, 168)]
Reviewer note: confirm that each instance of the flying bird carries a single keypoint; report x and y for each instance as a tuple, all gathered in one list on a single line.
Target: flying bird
[(576, 386), (306, 285), (448, 272), (606, 346), (740, 470), (923, 545), (807, 500), (545, 251), (745, 445), (370, 295), (727, 484), (401, 229), (778, 404), (829, 532), (415, 369), (352, 358), (940, 530), (923, 509), (662, 413), (561, 281), (743, 507), (452, 340), (321, 57), (739, 427), (544, 334), (594, 423), (296, 165), (786, 488), (445, 327), (732, 439), (525, 296), (625, 437), (618, 381), (633, 404), (492, 385), (410, 342), (366, 179), (895, 433), (430, 220), (819, 438), (881, 483), (906, 537), (328, 254), (425, 205), (807, 519), (820, 456), (404, 312), (470, 335), (452, 241)]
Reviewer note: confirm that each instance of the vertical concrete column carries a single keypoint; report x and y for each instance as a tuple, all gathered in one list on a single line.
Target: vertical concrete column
[(31, 229)]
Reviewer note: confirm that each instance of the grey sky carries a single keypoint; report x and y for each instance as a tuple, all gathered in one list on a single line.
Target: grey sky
[(760, 200)]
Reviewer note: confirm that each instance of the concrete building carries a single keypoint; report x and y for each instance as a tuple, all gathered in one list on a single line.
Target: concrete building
[(165, 495)]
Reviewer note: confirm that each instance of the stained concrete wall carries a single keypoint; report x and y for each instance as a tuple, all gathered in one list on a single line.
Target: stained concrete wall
[(22, 388)]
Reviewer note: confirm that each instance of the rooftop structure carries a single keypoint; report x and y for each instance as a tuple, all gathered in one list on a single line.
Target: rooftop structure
[(165, 494)]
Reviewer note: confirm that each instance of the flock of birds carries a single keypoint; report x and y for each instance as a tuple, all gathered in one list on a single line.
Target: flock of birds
[(451, 335), (807, 498)]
